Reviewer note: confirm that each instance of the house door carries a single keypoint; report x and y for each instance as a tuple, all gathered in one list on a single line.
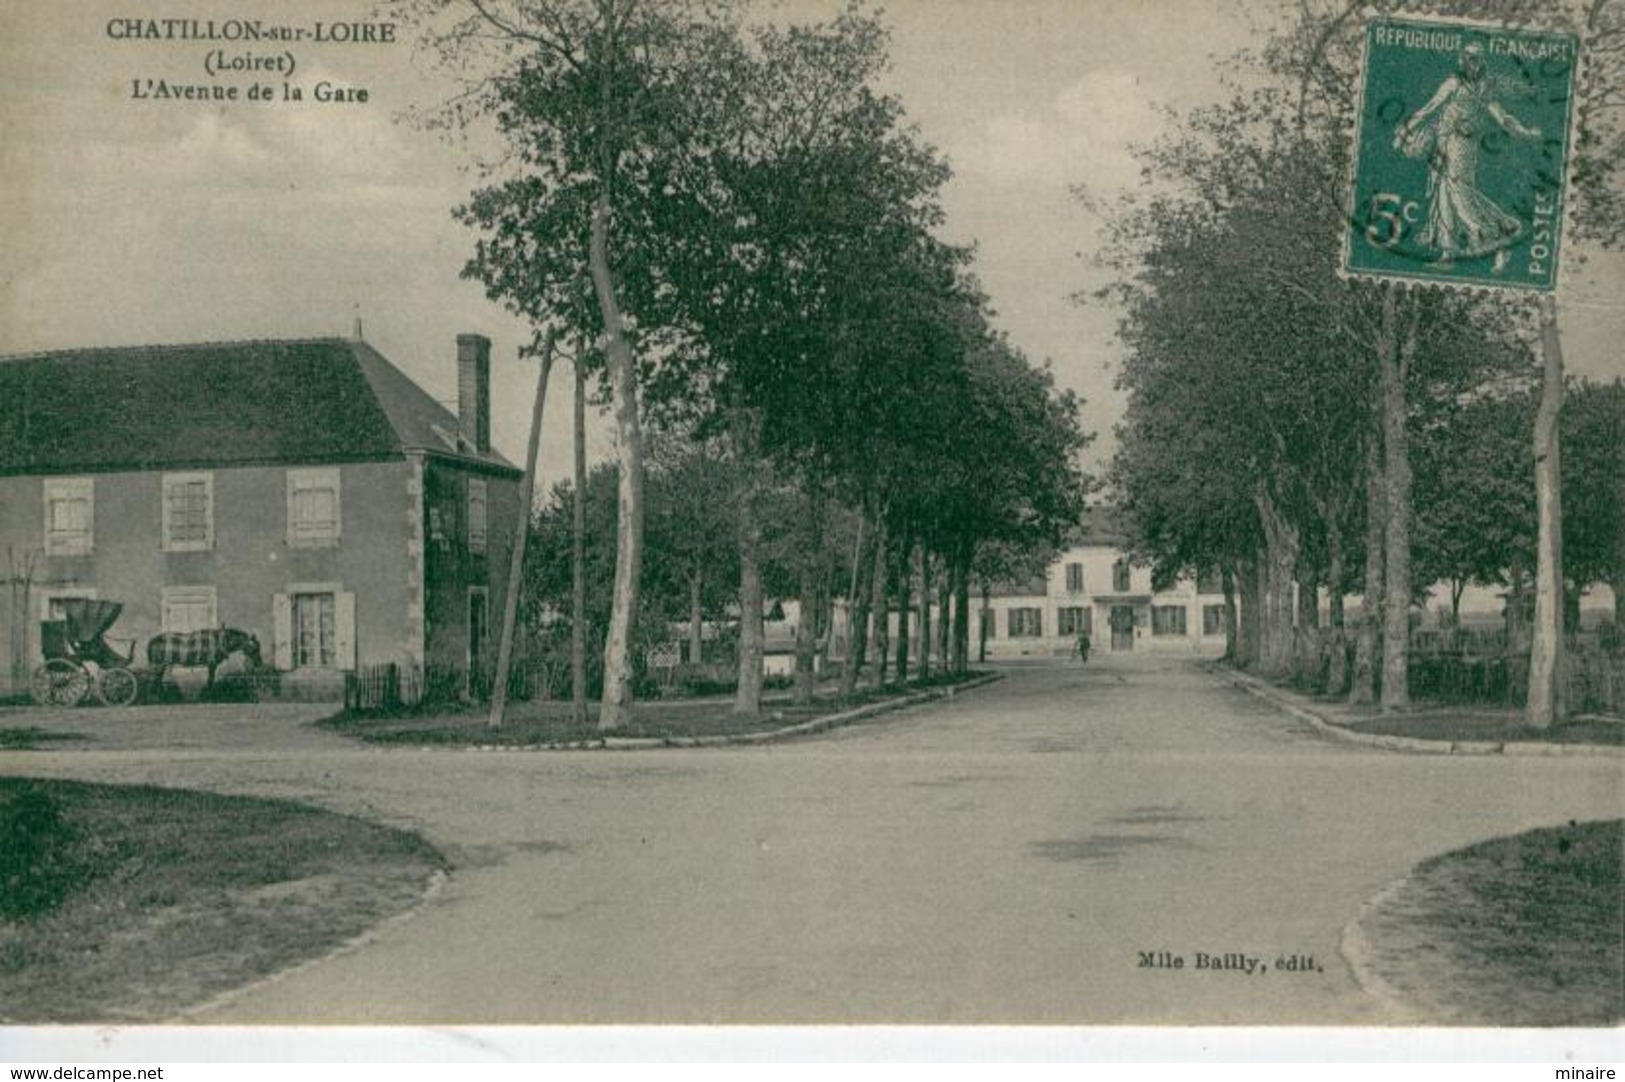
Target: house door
[(1122, 627)]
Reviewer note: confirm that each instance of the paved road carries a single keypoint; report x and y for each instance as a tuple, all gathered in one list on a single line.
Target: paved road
[(1002, 857)]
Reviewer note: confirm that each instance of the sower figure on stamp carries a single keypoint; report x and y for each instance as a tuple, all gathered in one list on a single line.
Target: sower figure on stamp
[(1450, 131)]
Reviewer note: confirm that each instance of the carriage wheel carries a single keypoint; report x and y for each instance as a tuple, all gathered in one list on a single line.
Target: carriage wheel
[(60, 682), (117, 687)]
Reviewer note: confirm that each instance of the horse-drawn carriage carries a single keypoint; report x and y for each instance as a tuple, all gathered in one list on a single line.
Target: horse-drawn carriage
[(78, 659)]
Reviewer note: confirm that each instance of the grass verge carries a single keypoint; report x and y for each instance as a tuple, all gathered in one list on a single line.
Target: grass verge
[(23, 738), (1491, 728), (128, 904), (1519, 931), (529, 724)]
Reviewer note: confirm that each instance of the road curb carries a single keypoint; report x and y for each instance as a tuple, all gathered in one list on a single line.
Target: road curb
[(760, 736), (1355, 947), (1262, 690), (433, 886)]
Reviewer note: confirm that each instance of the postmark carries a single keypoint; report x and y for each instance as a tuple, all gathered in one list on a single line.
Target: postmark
[(1461, 154)]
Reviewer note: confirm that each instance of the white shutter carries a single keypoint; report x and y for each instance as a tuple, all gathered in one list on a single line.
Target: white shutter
[(282, 631), (344, 630), (287, 536)]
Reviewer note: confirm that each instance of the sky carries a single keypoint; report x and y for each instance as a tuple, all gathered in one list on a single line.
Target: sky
[(133, 221)]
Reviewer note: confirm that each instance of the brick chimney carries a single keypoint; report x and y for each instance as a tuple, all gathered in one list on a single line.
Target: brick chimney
[(474, 391)]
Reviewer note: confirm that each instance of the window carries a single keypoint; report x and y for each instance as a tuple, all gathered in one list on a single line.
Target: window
[(188, 512), (1209, 582), (476, 515), (314, 627), (70, 515), (1168, 620), (315, 631), (1074, 578), (189, 608), (1074, 620), (990, 624), (1213, 619), (313, 508), (1026, 623), (1120, 577)]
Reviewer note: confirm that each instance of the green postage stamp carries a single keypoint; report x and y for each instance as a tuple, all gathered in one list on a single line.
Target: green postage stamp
[(1461, 154)]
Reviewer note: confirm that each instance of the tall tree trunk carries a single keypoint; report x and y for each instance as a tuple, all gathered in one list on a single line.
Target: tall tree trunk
[(962, 557), (905, 602), (1616, 581), (1363, 689), (925, 613), (1261, 577), (616, 707), (1308, 595), (1280, 560), (945, 592), (983, 628), (1517, 614), (578, 547), (748, 694), (1249, 578), (857, 615), (1227, 581), (696, 615), (881, 605), (1547, 702), (1306, 656), (807, 587), (1337, 671), (1397, 350), (516, 558)]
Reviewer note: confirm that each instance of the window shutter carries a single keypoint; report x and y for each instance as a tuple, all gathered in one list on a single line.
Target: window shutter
[(90, 515), (287, 535), (208, 511), (282, 631), (338, 516), (344, 630)]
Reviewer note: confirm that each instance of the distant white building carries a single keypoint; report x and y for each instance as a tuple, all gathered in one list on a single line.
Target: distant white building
[(1093, 589)]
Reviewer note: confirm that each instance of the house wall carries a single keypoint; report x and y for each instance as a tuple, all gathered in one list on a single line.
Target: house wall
[(249, 563), (451, 570), (1097, 594)]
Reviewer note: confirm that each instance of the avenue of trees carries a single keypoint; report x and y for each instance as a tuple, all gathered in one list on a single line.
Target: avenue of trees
[(808, 395), (1288, 427)]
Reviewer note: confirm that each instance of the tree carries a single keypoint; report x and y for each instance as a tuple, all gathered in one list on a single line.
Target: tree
[(1319, 50), (694, 566), (599, 102), (1248, 441), (1594, 488), (768, 216), (1476, 494)]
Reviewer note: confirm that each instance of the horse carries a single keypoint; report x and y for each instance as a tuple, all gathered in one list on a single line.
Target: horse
[(200, 648)]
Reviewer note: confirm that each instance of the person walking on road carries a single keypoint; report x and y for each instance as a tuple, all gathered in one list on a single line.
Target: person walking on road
[(1082, 647)]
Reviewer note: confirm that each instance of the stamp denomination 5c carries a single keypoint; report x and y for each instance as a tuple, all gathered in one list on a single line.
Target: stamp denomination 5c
[(1461, 154)]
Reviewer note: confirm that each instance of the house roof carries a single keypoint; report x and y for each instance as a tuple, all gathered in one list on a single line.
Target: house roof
[(217, 404)]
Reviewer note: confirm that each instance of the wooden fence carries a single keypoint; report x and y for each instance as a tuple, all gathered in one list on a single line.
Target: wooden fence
[(395, 686), (1594, 678)]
